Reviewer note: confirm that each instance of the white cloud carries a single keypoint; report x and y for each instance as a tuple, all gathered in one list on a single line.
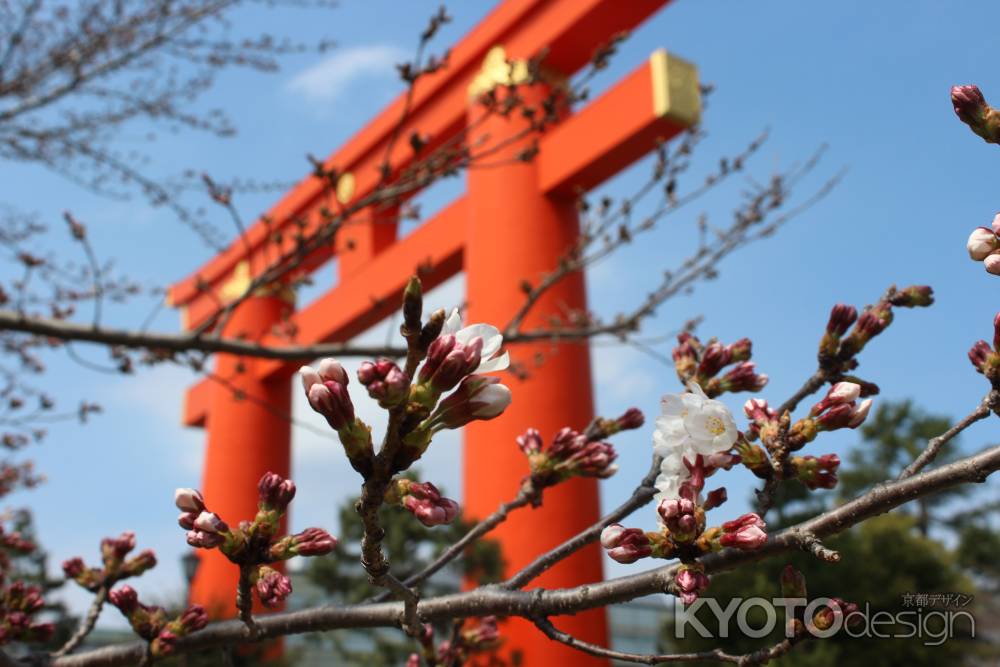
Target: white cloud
[(330, 77)]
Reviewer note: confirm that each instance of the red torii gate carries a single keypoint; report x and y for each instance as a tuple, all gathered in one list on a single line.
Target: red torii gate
[(514, 222)]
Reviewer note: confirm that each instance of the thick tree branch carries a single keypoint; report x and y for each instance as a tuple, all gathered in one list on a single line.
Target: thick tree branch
[(542, 603)]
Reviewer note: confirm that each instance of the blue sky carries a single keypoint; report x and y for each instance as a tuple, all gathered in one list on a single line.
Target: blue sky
[(869, 79)]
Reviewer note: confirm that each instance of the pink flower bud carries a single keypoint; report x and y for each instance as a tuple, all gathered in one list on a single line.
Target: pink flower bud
[(978, 355), (741, 350), (690, 583), (996, 332), (744, 377), (210, 523), (202, 540), (448, 361), (426, 503), (860, 413), (385, 381), (275, 492), (186, 520), (73, 567), (332, 400), (631, 419), (165, 643), (313, 542), (992, 264), (594, 459), (713, 359), (530, 441), (746, 532), (193, 619), (841, 392), (565, 442), (982, 242), (272, 587), (125, 598), (478, 397), (189, 500), (116, 548), (758, 410), (995, 225), (625, 545), (969, 103), (842, 316)]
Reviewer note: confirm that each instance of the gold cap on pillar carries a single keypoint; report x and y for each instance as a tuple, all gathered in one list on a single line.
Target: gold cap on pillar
[(676, 94)]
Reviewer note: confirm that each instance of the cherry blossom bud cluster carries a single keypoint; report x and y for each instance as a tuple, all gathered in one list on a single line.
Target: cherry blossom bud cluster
[(326, 390), (151, 622), (310, 542), (690, 581), (570, 454), (836, 347), (746, 533), (700, 363), (386, 382), (206, 530), (254, 543), (15, 541), (116, 566), (971, 108), (838, 409), (816, 472), (424, 501), (985, 357), (625, 545), (19, 603), (271, 586)]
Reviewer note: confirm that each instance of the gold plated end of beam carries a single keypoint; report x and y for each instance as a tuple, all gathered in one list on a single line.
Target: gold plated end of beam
[(676, 94)]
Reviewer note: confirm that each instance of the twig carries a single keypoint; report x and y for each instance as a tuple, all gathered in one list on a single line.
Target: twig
[(558, 635), (989, 403), (811, 544), (456, 549), (640, 496), (87, 624), (244, 603)]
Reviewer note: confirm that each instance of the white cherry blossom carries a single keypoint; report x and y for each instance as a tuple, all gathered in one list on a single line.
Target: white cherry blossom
[(492, 359)]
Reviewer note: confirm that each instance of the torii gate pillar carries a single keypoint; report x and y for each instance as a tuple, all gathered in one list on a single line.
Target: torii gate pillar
[(516, 232), (248, 435)]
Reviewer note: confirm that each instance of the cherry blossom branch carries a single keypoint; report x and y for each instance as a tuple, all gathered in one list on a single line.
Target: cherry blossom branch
[(558, 635), (86, 625), (70, 331), (641, 495), (542, 603), (989, 404), (458, 548), (244, 601)]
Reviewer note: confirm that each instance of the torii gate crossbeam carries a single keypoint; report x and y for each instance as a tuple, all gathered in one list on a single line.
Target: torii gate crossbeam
[(514, 222)]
